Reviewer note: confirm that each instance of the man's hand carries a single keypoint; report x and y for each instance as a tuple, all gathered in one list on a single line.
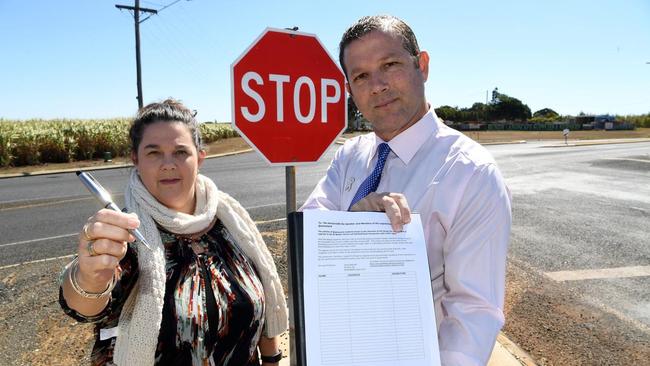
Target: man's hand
[(394, 204)]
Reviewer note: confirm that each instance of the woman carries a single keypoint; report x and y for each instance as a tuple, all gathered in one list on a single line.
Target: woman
[(208, 288)]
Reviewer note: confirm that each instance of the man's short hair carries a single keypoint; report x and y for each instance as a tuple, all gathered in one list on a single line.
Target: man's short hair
[(384, 23)]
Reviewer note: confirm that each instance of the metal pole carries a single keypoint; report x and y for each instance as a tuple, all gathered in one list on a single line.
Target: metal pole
[(290, 176), (137, 51)]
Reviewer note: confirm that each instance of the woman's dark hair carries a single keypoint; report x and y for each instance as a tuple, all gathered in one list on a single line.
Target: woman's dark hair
[(170, 110), (384, 23)]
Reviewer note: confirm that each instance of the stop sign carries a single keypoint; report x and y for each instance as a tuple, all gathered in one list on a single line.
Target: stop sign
[(288, 97)]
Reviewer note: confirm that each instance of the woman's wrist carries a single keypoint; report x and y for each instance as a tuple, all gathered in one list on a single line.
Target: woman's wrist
[(82, 288), (271, 359), (82, 281)]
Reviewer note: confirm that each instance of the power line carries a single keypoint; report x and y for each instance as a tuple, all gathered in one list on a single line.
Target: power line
[(161, 9), (152, 3), (136, 20)]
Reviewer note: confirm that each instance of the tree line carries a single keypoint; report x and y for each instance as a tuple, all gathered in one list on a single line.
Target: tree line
[(501, 107)]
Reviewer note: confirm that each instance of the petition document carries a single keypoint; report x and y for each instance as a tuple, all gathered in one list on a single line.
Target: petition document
[(367, 291)]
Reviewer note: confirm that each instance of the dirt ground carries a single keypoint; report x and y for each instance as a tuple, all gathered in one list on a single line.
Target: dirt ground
[(556, 327)]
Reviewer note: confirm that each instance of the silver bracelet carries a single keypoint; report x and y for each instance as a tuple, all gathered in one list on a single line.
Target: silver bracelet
[(72, 274)]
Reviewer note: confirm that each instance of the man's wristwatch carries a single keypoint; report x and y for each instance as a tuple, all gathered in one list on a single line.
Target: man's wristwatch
[(273, 359)]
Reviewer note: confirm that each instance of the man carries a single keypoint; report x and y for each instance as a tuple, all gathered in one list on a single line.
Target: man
[(422, 165)]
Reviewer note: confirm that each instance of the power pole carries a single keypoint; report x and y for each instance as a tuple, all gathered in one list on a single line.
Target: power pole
[(136, 17)]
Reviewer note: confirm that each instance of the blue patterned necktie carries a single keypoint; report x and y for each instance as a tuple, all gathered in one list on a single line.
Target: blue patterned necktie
[(372, 182)]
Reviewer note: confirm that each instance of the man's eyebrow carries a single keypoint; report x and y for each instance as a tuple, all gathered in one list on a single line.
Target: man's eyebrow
[(155, 146), (384, 58), (391, 55), (355, 72)]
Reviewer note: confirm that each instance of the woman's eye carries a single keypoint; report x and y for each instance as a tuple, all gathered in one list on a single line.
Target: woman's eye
[(153, 153), (181, 152)]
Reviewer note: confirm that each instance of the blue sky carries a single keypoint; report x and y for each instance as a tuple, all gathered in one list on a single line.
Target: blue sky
[(76, 59)]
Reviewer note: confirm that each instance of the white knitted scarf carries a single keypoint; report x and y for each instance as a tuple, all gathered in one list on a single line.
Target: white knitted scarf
[(141, 315)]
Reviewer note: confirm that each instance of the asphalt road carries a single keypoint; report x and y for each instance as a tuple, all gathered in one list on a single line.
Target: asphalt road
[(581, 216), (585, 208)]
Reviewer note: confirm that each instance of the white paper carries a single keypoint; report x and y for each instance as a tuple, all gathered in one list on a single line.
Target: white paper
[(367, 291)]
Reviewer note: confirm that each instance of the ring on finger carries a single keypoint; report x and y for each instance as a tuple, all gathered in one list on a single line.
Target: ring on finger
[(85, 232), (91, 248)]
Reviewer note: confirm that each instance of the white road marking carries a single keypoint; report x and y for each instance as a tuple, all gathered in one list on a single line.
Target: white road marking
[(39, 239), (262, 206), (42, 204), (593, 274), (269, 221), (38, 261), (90, 198), (51, 203)]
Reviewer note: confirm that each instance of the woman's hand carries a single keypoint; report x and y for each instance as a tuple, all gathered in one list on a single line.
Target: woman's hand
[(102, 244)]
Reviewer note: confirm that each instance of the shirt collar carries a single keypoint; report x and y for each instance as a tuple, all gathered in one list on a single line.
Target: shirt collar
[(408, 142)]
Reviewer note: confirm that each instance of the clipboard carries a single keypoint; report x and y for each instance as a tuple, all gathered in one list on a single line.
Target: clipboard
[(420, 340)]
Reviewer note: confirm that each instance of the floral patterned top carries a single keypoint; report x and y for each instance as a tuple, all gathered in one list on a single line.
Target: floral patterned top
[(214, 303)]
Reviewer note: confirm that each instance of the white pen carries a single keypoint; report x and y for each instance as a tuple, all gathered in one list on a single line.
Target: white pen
[(106, 200)]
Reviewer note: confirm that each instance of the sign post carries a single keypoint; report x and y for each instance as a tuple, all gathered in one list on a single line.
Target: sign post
[(289, 104)]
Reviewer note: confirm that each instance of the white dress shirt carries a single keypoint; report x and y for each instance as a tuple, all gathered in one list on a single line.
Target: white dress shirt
[(456, 187)]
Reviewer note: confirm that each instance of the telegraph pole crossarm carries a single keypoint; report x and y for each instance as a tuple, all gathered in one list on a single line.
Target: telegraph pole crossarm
[(145, 10)]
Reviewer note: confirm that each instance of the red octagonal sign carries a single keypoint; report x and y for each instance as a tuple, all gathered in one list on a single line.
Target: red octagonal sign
[(288, 97)]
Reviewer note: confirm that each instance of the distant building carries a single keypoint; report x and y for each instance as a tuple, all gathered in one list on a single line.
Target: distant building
[(599, 122)]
